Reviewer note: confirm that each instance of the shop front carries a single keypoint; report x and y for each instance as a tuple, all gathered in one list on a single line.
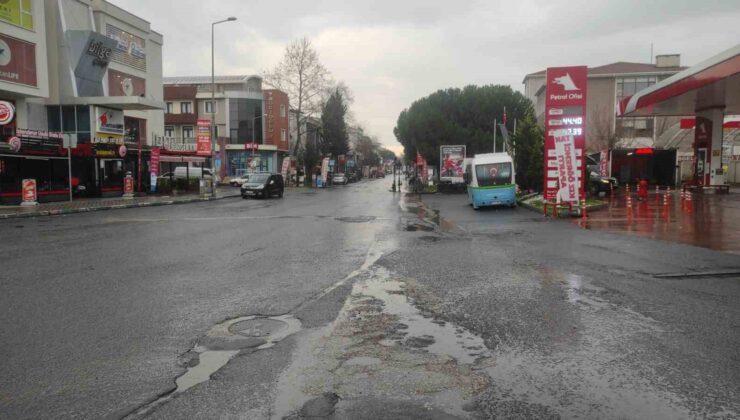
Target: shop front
[(32, 154), (241, 160)]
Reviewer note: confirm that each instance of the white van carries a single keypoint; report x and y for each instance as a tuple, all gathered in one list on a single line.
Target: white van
[(182, 172)]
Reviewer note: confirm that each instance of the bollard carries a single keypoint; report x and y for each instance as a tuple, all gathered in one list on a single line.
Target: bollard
[(583, 208)]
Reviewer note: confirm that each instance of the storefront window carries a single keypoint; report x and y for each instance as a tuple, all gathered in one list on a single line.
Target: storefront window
[(69, 119), (111, 173)]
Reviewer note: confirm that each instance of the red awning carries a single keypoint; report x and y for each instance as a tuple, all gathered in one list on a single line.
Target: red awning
[(712, 83)]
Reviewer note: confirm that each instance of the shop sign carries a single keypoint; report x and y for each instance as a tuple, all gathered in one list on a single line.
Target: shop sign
[(17, 60), (251, 146), (109, 121), (565, 129), (35, 142), (28, 186), (128, 49), (451, 160), (99, 52), (107, 140), (7, 112), (154, 161), (122, 151), (17, 12), (203, 137)]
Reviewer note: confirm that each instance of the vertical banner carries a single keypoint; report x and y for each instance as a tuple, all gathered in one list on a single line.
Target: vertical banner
[(565, 114), (154, 161), (565, 154), (604, 163), (203, 137)]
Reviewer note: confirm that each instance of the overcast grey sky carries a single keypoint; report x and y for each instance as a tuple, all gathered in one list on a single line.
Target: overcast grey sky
[(393, 52)]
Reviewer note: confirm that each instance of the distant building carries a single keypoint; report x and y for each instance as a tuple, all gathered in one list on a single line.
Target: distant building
[(607, 85), (251, 124)]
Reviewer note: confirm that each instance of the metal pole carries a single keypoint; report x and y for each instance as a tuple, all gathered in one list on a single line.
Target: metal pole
[(69, 163), (213, 109), (494, 135)]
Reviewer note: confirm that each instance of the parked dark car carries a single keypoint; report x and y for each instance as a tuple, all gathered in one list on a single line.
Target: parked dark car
[(263, 185), (352, 177), (598, 184)]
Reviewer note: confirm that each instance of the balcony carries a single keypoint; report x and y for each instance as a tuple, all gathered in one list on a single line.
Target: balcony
[(174, 119)]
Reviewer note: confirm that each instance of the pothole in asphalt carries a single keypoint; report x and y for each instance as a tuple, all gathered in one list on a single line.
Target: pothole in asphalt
[(221, 343), (383, 346), (355, 219)]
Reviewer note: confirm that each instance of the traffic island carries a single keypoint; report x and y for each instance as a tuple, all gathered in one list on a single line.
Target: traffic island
[(536, 203)]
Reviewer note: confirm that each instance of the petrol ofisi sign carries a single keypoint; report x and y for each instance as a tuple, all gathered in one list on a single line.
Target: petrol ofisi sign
[(565, 118)]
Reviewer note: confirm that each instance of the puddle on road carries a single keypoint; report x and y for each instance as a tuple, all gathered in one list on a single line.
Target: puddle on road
[(382, 346), (420, 331), (426, 219), (220, 344)]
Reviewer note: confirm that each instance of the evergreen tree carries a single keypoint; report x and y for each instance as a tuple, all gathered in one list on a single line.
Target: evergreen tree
[(334, 126), (529, 150)]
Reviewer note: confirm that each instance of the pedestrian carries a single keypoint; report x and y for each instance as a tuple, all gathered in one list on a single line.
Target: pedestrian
[(642, 189)]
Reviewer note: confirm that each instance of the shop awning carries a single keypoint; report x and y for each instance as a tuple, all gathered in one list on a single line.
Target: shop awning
[(117, 102), (181, 159), (712, 83)]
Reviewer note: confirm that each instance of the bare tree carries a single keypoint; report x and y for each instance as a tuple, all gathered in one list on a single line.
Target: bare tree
[(301, 75), (602, 129)]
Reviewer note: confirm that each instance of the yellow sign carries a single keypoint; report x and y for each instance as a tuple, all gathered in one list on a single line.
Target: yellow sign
[(17, 12)]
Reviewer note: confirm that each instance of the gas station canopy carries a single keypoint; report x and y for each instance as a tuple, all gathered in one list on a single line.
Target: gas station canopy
[(713, 83)]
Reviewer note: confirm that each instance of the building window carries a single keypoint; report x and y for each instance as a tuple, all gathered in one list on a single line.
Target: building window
[(187, 132), (283, 135), (169, 131), (169, 108), (628, 86), (209, 107), (282, 111), (186, 108)]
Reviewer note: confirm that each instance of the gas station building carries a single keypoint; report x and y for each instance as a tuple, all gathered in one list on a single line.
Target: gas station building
[(709, 92)]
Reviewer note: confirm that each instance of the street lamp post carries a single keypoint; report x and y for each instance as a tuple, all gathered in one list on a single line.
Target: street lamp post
[(213, 99)]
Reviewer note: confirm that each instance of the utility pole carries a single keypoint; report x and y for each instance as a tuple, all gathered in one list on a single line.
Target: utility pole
[(494, 135)]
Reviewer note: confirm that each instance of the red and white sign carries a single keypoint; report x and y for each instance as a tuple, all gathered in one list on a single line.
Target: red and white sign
[(122, 151), (251, 146), (285, 168), (203, 137), (565, 108), (28, 187), (7, 112), (15, 144), (17, 60), (128, 185), (154, 161)]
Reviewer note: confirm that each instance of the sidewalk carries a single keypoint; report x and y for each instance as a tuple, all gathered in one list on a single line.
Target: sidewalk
[(84, 205)]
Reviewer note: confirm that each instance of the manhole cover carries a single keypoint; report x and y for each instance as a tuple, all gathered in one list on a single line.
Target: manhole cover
[(258, 327)]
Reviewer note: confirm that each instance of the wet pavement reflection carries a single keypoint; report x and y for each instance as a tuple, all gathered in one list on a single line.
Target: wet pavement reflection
[(706, 220)]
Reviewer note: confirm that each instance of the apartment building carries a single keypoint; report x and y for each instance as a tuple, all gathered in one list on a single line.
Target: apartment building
[(252, 125)]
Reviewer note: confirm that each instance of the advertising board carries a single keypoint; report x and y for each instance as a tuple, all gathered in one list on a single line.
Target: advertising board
[(451, 166), (565, 119), (203, 137)]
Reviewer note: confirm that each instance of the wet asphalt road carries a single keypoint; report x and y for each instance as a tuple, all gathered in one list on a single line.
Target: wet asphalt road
[(101, 311)]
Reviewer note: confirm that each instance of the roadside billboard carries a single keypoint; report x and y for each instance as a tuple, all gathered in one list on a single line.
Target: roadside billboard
[(565, 153), (565, 118), (203, 137), (451, 166)]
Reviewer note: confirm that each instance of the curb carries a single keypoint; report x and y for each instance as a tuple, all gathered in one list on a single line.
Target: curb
[(112, 207), (589, 209)]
